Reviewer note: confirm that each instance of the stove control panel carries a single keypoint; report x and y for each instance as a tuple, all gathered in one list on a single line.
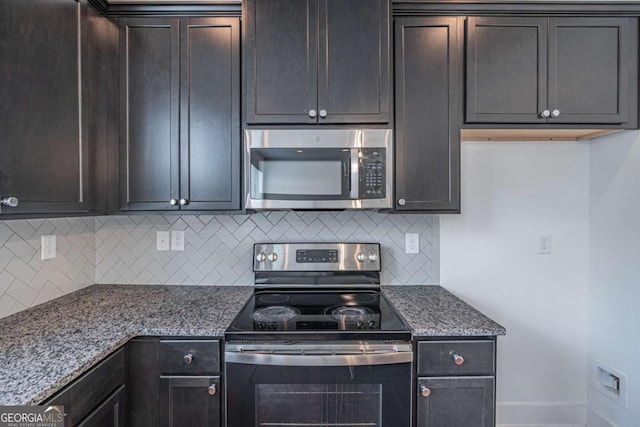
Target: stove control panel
[(327, 257), (316, 256)]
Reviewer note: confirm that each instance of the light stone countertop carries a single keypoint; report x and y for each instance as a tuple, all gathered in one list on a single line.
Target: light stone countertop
[(44, 348), (432, 311)]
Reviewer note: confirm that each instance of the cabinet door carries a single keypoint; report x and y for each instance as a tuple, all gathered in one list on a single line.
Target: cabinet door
[(506, 70), (281, 61), (143, 395), (589, 64), (149, 108), (187, 401), (428, 57), (455, 402), (210, 113), (109, 414), (354, 63), (43, 144)]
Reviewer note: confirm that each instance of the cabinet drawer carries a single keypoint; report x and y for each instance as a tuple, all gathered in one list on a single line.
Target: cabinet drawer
[(86, 393), (439, 357), (190, 357)]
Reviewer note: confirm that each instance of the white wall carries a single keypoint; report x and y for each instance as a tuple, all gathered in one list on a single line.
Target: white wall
[(614, 288), (512, 192)]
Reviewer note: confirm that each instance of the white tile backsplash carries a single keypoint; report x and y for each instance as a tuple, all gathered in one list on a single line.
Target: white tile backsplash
[(218, 248), (26, 280)]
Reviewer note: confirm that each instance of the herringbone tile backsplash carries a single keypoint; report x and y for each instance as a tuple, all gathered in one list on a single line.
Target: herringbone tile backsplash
[(25, 280), (218, 249)]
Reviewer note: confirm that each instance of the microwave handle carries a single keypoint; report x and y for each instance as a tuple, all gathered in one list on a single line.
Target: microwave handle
[(354, 192)]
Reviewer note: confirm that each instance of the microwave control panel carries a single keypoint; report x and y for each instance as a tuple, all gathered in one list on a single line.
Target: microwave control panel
[(372, 173)]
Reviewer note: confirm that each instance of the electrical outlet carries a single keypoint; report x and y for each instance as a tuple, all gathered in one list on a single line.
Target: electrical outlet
[(47, 247), (544, 244), (412, 243), (609, 381), (177, 240), (162, 240)]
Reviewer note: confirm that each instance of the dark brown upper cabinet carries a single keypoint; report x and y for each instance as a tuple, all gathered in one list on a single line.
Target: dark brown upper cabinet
[(44, 150), (317, 61), (179, 114), (551, 70), (428, 58)]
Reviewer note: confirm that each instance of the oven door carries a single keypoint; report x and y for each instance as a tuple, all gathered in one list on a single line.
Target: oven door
[(297, 385)]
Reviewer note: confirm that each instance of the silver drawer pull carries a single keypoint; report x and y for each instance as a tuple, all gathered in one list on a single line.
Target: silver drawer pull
[(457, 359), (424, 391), (212, 389), (188, 358)]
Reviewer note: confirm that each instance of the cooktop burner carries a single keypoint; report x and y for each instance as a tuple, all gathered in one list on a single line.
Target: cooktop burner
[(275, 313), (350, 313)]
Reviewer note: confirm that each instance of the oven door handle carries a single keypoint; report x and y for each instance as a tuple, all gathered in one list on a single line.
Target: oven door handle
[(274, 359), (354, 174)]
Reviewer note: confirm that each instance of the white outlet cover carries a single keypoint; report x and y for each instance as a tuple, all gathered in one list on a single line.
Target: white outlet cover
[(412, 243), (47, 247), (162, 240), (177, 240), (544, 244)]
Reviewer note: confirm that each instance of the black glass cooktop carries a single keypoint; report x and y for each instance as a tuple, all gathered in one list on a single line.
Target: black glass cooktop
[(318, 315)]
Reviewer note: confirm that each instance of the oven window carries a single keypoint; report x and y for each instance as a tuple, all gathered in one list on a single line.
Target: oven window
[(304, 178), (327, 405)]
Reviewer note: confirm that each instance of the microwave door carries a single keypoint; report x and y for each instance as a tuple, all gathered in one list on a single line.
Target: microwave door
[(300, 174)]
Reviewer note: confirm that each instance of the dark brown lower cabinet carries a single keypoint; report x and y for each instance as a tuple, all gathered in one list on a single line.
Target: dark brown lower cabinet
[(109, 414), (455, 402), (97, 398), (190, 401), (174, 382)]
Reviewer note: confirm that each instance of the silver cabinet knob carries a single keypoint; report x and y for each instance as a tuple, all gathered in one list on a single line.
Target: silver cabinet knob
[(261, 257), (183, 202), (323, 113), (424, 391), (173, 202), (272, 256), (312, 113), (555, 113), (360, 257), (373, 256), (212, 389), (188, 358), (545, 114), (12, 202), (402, 202), (457, 359)]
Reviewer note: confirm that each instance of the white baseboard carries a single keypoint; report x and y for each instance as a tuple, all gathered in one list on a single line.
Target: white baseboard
[(566, 414), (596, 420)]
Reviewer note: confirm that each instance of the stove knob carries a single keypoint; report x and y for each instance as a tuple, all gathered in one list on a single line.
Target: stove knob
[(373, 256), (272, 256), (372, 324), (261, 257), (273, 325), (360, 257), (360, 325)]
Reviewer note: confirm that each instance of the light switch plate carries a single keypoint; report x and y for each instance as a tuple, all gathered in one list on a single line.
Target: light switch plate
[(47, 247), (177, 240), (162, 240)]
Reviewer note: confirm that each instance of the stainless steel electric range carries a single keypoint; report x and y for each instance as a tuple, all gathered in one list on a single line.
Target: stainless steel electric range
[(318, 344)]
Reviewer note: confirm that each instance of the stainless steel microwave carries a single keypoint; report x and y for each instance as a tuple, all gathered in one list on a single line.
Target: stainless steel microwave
[(318, 169)]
